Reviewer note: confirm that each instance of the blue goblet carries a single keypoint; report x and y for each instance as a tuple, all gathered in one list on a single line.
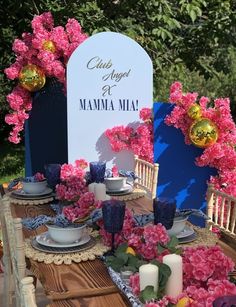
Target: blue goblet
[(52, 174), (164, 211), (97, 171), (113, 212)]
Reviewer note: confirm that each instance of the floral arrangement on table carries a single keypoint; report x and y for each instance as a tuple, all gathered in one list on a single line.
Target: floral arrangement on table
[(40, 54), (73, 192), (205, 124), (205, 269)]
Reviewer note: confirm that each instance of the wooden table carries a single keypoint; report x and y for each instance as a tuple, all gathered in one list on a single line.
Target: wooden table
[(88, 283)]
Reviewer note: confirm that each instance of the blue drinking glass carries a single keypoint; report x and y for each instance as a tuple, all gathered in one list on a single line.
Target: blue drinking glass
[(97, 171), (52, 173), (164, 211), (113, 212)]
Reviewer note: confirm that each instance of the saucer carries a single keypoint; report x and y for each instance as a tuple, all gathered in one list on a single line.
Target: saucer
[(126, 189), (22, 194), (186, 232), (188, 239), (63, 250), (45, 240)]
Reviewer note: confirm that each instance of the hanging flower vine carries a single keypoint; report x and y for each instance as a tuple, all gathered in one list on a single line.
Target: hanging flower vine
[(40, 54)]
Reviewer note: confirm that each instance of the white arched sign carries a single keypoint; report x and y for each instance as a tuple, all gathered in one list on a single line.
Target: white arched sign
[(109, 79)]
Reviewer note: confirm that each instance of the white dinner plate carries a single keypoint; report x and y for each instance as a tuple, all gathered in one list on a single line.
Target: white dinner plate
[(46, 240), (22, 193), (188, 231), (126, 189)]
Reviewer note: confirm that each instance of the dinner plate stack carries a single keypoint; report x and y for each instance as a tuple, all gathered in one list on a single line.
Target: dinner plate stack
[(127, 189), (45, 243), (186, 235)]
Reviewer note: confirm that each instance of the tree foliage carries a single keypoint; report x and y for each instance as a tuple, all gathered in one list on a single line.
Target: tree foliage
[(190, 40)]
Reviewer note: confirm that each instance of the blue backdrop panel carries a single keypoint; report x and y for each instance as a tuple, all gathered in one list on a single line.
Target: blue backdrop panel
[(179, 177), (46, 129)]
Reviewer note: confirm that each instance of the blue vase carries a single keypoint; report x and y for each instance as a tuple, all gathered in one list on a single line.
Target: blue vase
[(52, 173)]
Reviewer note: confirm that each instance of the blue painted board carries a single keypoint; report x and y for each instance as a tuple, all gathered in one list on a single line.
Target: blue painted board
[(46, 129), (179, 177)]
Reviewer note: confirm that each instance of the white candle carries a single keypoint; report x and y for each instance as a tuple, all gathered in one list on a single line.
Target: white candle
[(100, 191), (148, 276), (174, 284), (91, 187)]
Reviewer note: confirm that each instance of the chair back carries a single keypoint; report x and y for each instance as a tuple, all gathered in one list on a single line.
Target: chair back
[(15, 244), (147, 176), (28, 292), (221, 210)]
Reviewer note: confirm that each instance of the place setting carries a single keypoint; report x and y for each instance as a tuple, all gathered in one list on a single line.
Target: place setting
[(39, 186), (109, 182), (59, 240), (175, 221)]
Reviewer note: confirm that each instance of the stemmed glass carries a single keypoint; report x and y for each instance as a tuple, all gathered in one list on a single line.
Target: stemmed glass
[(113, 217), (97, 171), (52, 174), (164, 211)]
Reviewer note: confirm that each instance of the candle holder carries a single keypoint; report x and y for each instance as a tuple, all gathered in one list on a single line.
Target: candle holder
[(97, 171), (52, 173), (164, 211), (113, 212)]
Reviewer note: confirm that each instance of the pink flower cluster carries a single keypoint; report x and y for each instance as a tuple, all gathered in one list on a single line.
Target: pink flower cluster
[(222, 154), (39, 177), (32, 49), (206, 272), (202, 263), (73, 181), (143, 240), (73, 190), (139, 139)]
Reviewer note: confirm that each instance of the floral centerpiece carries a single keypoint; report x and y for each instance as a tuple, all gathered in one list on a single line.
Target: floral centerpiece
[(73, 192), (205, 269)]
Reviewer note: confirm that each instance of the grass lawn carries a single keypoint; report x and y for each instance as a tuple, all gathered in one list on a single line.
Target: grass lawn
[(12, 164)]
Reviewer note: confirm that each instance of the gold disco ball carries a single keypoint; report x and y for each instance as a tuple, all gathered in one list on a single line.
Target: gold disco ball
[(49, 46), (203, 133), (32, 78), (194, 111)]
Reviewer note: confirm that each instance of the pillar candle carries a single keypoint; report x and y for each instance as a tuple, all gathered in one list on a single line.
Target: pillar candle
[(148, 275), (91, 187), (100, 191), (174, 284)]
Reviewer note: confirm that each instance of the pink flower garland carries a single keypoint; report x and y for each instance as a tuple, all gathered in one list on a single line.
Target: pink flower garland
[(222, 154), (30, 50), (206, 272)]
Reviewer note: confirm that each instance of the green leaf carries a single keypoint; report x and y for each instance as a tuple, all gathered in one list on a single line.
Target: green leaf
[(164, 274), (193, 15), (173, 242), (121, 248), (123, 256), (117, 264), (160, 248), (147, 294)]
